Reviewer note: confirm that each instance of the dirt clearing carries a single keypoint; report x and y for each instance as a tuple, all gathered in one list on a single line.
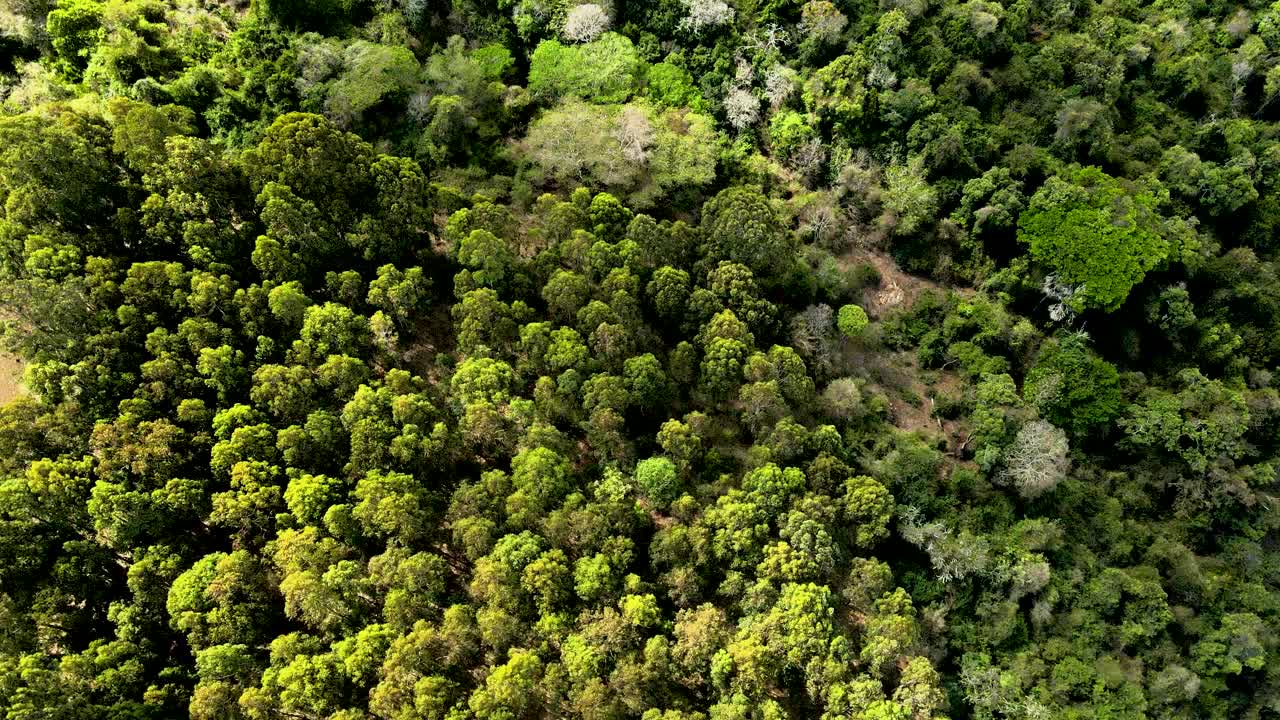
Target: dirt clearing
[(10, 377), (897, 288)]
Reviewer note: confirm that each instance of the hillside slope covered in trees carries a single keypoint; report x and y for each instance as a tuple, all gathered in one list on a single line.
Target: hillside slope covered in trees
[(654, 359)]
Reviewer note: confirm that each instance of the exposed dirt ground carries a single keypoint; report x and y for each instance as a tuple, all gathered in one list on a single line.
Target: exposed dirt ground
[(898, 375), (897, 288), (10, 377)]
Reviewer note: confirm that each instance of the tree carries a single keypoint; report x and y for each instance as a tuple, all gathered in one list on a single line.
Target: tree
[(330, 329), (837, 92), (647, 382), (657, 479), (762, 405), (843, 399), (1037, 460), (372, 75), (741, 226), (706, 14), (395, 505), (851, 320), (641, 153), (681, 442), (141, 131), (736, 289), (223, 599), (307, 14), (398, 293), (868, 507), (908, 199), (409, 680), (47, 162), (566, 350), (1239, 645), (289, 303), (1074, 388), (721, 369), (602, 391), (599, 577), (561, 154), (807, 550), (309, 497), (602, 71), (482, 379), (315, 160), (1202, 423), (669, 292), (585, 22), (669, 85), (323, 586), (540, 476), (891, 630), (791, 136), (1094, 233), (549, 580), (489, 258), (683, 157), (254, 498), (74, 31), (821, 22), (484, 321), (565, 293), (224, 670), (511, 691), (741, 106), (795, 631)]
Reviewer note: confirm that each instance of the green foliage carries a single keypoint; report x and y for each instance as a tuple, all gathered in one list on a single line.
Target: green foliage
[(788, 132), (1202, 423), (640, 152), (307, 14), (397, 361), (909, 200), (668, 85), (741, 226), (1096, 234), (74, 30), (373, 74), (851, 320), (1074, 387), (868, 506), (601, 71), (656, 478)]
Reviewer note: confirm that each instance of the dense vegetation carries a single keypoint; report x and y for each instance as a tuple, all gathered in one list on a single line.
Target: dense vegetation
[(519, 359)]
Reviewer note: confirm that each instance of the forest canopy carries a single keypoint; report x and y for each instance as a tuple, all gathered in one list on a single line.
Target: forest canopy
[(660, 360)]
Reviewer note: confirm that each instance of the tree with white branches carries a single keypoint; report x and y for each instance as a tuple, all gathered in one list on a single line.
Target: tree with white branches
[(585, 23), (704, 14), (1037, 460)]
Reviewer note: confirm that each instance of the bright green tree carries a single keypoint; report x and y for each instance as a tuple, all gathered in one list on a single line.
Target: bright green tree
[(1096, 233)]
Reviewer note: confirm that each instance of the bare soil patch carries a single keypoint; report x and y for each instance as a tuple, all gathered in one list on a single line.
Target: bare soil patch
[(897, 288), (898, 375), (10, 377)]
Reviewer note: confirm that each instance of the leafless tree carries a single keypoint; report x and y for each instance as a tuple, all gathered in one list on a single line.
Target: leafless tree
[(742, 108), (779, 84), (843, 399), (1037, 459), (634, 133), (705, 14), (585, 22)]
